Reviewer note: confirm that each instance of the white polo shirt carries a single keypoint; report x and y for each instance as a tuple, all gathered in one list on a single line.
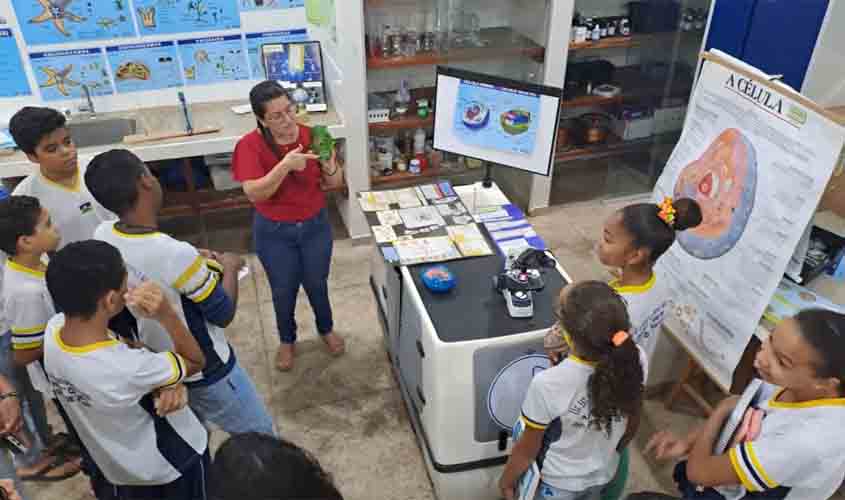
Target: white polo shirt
[(106, 389)]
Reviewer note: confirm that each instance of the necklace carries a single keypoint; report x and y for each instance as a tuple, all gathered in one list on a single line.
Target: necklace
[(135, 228)]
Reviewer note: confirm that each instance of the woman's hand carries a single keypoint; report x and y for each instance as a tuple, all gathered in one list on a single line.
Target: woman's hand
[(296, 160), (332, 172)]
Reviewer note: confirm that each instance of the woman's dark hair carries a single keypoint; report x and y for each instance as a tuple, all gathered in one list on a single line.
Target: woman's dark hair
[(592, 313), (648, 230), (259, 96), (825, 331), (256, 466)]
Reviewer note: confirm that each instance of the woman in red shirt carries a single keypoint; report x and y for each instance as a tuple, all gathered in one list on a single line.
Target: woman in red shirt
[(293, 237)]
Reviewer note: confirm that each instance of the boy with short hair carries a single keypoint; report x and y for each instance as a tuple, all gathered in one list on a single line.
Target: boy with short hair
[(107, 387), (204, 292), (42, 134), (26, 235)]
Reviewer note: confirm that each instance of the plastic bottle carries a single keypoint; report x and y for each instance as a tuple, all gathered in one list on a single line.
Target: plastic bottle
[(419, 141), (596, 33)]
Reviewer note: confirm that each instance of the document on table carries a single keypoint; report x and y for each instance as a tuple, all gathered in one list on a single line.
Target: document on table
[(389, 218), (434, 249), (384, 234), (477, 197), (407, 198), (414, 218), (376, 201), (469, 240), (451, 209)]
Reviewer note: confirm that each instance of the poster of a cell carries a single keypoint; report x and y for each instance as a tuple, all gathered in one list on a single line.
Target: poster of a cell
[(723, 181)]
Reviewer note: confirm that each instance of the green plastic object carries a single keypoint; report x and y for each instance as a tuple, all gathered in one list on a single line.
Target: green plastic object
[(322, 142), (614, 489)]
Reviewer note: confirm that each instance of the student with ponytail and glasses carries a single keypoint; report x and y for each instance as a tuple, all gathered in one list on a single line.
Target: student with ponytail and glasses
[(293, 237), (587, 406)]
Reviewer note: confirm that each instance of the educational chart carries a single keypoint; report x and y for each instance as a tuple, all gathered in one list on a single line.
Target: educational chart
[(64, 21), (213, 60), (13, 82), (248, 5), (756, 157), (254, 41), (144, 66), (487, 116), (156, 17), (62, 74)]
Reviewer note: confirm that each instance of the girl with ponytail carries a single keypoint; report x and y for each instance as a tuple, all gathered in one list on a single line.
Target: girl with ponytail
[(632, 241), (590, 402)]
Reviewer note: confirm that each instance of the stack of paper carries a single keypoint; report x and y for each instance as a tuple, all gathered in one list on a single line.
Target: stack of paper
[(477, 197), (469, 240), (420, 250)]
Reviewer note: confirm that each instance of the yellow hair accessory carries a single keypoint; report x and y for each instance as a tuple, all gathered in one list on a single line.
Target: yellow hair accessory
[(667, 211)]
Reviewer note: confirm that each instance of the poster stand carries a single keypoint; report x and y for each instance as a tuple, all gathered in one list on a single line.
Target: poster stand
[(697, 364)]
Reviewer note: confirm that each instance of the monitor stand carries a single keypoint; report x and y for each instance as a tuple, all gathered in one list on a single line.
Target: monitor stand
[(488, 175)]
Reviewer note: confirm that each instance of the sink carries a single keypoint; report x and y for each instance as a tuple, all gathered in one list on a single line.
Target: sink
[(101, 131)]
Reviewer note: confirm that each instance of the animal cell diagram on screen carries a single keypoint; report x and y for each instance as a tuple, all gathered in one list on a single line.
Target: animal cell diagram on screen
[(724, 182)]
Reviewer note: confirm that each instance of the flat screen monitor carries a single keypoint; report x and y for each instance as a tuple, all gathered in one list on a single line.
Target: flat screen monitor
[(298, 67), (501, 121)]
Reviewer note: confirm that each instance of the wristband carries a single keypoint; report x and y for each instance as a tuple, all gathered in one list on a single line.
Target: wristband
[(8, 395)]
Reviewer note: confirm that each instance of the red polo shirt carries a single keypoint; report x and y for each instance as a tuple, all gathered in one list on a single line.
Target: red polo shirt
[(299, 197)]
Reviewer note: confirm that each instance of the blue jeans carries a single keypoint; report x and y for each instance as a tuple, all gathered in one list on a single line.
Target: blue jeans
[(232, 403), (296, 254), (33, 409)]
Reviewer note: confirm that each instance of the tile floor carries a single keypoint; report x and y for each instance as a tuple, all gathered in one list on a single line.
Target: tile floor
[(348, 411)]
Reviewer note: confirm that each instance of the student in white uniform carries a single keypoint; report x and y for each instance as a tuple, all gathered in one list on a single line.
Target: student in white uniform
[(108, 388), (26, 235), (595, 392), (632, 241), (204, 292), (799, 452), (42, 134)]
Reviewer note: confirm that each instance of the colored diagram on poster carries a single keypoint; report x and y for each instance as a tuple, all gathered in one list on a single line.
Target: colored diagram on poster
[(62, 74), (13, 81), (184, 16), (254, 41), (212, 60), (144, 66), (248, 5), (487, 116), (724, 182), (63, 21)]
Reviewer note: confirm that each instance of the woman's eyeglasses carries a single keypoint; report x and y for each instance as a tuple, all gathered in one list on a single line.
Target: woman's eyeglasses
[(290, 112)]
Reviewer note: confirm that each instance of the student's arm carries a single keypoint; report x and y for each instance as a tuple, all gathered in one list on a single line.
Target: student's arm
[(150, 301), (524, 453), (262, 188), (631, 428), (11, 421), (668, 446), (29, 315), (536, 416), (232, 264), (204, 281), (703, 467)]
